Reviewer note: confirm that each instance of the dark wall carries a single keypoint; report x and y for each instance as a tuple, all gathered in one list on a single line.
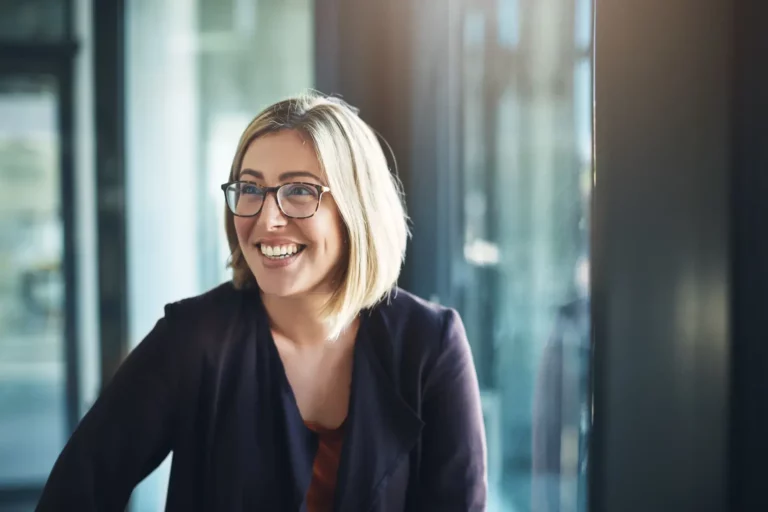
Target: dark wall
[(361, 54), (750, 258), (661, 262), (391, 60)]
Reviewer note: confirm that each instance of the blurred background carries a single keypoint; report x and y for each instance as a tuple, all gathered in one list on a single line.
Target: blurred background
[(116, 133), (119, 120)]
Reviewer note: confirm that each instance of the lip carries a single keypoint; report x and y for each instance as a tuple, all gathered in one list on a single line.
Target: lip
[(281, 263)]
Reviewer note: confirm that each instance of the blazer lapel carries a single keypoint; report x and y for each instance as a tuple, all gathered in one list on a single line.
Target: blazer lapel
[(289, 435), (231, 392), (301, 442), (382, 427), (261, 454)]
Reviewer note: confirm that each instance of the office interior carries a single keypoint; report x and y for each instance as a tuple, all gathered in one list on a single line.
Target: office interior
[(586, 184)]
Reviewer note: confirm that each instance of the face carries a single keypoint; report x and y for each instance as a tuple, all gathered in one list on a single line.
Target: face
[(289, 257)]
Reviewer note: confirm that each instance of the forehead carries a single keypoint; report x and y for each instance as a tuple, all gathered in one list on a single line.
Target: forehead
[(280, 152)]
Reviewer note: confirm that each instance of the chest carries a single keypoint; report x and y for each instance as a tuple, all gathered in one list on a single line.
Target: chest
[(247, 449), (320, 379)]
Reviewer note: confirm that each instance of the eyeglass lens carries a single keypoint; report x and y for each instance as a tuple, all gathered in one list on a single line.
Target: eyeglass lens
[(294, 199)]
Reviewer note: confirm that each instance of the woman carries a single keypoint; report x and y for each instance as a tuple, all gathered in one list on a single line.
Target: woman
[(309, 382)]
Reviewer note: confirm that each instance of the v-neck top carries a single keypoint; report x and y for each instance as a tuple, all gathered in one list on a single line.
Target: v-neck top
[(325, 470), (324, 479)]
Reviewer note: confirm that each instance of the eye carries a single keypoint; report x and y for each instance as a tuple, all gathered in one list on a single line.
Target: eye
[(247, 188), (298, 190)]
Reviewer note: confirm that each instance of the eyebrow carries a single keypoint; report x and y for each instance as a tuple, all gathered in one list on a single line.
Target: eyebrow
[(283, 177)]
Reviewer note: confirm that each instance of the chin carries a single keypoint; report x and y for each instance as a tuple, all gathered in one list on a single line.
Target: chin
[(275, 288), (284, 289)]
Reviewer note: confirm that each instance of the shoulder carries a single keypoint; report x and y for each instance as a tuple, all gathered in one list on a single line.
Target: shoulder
[(405, 309), (216, 300), (225, 291), (422, 344), (204, 328), (210, 311), (418, 322)]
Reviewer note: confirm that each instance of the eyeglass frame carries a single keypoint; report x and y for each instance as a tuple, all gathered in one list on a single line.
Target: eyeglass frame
[(321, 189)]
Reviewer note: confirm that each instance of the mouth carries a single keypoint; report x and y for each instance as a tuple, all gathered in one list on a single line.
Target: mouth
[(279, 253)]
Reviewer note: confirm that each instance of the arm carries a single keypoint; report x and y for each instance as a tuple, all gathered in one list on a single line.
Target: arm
[(125, 436), (453, 473)]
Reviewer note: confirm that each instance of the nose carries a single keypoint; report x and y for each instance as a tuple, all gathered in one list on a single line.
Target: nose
[(271, 215)]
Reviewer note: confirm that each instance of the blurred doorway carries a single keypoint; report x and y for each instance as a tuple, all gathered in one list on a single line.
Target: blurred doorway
[(38, 363)]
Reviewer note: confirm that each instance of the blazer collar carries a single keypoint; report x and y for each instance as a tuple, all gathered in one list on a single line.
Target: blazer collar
[(381, 427)]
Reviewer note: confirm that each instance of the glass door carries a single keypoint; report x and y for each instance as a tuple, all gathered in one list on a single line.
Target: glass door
[(37, 364)]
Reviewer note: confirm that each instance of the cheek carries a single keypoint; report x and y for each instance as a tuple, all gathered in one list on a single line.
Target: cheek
[(327, 232), (243, 228), (341, 237), (336, 235)]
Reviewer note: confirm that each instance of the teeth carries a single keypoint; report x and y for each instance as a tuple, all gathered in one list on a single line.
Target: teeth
[(279, 251)]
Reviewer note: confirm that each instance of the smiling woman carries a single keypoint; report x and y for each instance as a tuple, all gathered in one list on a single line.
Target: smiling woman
[(298, 216), (323, 141), (310, 382)]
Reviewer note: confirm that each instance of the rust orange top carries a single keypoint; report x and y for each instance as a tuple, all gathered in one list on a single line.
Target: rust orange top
[(321, 491)]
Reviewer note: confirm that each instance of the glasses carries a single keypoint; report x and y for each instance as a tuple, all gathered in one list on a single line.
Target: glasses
[(295, 200)]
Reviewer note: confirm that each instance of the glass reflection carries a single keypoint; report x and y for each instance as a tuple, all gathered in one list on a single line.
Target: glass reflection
[(527, 158)]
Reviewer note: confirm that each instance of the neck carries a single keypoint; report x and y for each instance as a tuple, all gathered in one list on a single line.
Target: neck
[(297, 318)]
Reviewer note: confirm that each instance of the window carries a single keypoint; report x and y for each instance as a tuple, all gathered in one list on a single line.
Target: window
[(33, 359), (521, 282), (34, 20)]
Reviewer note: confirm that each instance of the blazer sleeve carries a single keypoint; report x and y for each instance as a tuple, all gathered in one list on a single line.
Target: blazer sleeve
[(125, 435), (453, 471)]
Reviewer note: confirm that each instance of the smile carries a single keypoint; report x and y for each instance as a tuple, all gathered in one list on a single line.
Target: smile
[(280, 255), (280, 251)]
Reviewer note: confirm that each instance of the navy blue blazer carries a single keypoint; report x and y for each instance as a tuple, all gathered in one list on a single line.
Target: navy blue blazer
[(207, 383)]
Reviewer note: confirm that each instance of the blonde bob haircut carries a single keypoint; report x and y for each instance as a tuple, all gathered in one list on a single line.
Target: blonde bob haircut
[(369, 198)]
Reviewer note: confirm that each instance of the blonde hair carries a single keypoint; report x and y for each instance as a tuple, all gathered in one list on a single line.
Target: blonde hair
[(369, 198)]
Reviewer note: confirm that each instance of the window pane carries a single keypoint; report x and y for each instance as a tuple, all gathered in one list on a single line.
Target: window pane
[(197, 72), (33, 20), (526, 179), (32, 367)]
